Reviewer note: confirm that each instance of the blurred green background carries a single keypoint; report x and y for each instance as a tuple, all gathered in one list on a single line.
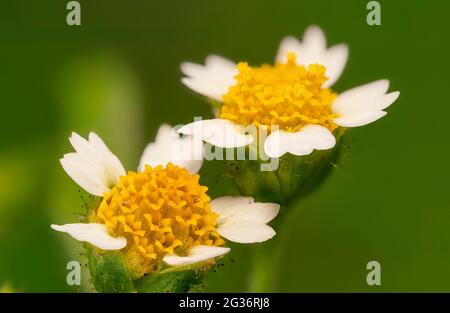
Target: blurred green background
[(118, 74)]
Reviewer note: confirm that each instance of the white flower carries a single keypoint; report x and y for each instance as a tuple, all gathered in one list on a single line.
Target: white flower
[(146, 207), (255, 101)]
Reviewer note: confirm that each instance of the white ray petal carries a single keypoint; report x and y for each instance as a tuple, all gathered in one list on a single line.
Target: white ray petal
[(246, 232), (360, 119), (218, 132), (186, 152), (313, 49), (95, 234), (93, 166), (364, 104), (314, 38), (243, 220), (84, 173), (235, 209), (212, 79), (196, 254), (302, 142), (334, 60)]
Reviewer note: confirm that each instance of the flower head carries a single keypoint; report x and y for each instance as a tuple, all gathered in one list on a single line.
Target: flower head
[(159, 215), (287, 94), (292, 99)]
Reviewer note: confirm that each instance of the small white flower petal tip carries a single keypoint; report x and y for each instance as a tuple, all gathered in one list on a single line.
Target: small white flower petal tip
[(196, 255), (95, 234), (364, 104), (243, 220), (92, 166), (302, 142), (186, 152), (212, 79), (218, 132)]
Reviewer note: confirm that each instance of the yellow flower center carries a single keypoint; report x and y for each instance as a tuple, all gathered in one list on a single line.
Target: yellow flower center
[(162, 210), (287, 95)]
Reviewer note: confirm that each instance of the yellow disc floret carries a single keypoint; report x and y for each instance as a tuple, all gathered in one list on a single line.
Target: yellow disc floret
[(160, 211), (287, 95)]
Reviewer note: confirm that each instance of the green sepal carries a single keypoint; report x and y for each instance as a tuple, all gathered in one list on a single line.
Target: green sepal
[(170, 280), (109, 272)]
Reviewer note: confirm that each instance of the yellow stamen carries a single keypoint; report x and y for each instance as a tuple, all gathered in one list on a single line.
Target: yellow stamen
[(162, 210), (287, 95)]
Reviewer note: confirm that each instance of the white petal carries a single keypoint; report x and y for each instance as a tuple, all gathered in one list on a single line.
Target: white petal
[(212, 79), (314, 38), (334, 59), (116, 168), (302, 142), (186, 152), (196, 254), (93, 166), (218, 132), (313, 50), (95, 234), (238, 209), (360, 119), (84, 173), (243, 220), (244, 232), (364, 104)]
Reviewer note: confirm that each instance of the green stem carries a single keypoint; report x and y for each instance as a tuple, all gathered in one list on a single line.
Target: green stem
[(267, 257), (266, 262)]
